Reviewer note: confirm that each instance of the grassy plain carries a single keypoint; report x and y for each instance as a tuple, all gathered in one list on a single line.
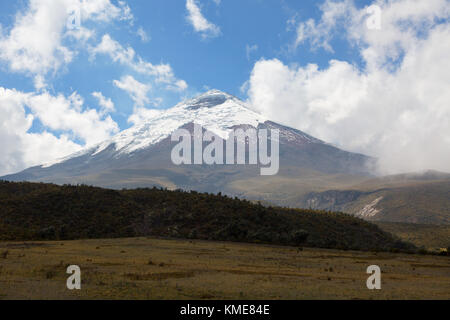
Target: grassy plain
[(148, 268)]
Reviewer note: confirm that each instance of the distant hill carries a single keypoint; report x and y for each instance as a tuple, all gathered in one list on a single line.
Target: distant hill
[(422, 198), (431, 237), (38, 211)]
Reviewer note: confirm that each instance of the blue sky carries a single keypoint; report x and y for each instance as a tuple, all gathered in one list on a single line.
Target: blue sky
[(320, 59), (213, 62)]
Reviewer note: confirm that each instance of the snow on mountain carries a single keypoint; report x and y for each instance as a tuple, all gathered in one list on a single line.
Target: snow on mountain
[(227, 112), (216, 111)]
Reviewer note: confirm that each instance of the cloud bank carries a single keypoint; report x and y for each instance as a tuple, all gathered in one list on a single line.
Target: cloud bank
[(19, 110), (395, 107)]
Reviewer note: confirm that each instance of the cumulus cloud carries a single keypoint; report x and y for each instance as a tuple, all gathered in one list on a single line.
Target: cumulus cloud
[(139, 94), (34, 45), (62, 113), (163, 73), (138, 91), (394, 107), (320, 33), (106, 104), (403, 23), (199, 22), (21, 148), (104, 10)]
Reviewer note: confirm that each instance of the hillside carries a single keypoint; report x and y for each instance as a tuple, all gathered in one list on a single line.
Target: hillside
[(31, 211), (431, 237), (413, 198)]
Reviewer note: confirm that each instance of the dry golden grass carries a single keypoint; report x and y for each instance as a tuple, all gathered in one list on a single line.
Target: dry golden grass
[(143, 268)]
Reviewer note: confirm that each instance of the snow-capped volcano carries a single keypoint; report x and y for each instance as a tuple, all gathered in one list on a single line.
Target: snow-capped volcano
[(140, 155), (214, 110)]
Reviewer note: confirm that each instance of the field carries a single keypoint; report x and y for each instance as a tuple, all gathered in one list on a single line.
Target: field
[(150, 268)]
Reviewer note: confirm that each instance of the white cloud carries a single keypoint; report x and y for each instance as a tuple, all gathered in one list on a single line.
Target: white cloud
[(67, 114), (163, 73), (396, 107), (34, 44), (139, 94), (104, 10), (403, 22), (21, 148), (141, 115), (39, 82), (106, 104), (115, 50), (319, 34), (143, 35), (81, 34), (199, 22), (138, 91)]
